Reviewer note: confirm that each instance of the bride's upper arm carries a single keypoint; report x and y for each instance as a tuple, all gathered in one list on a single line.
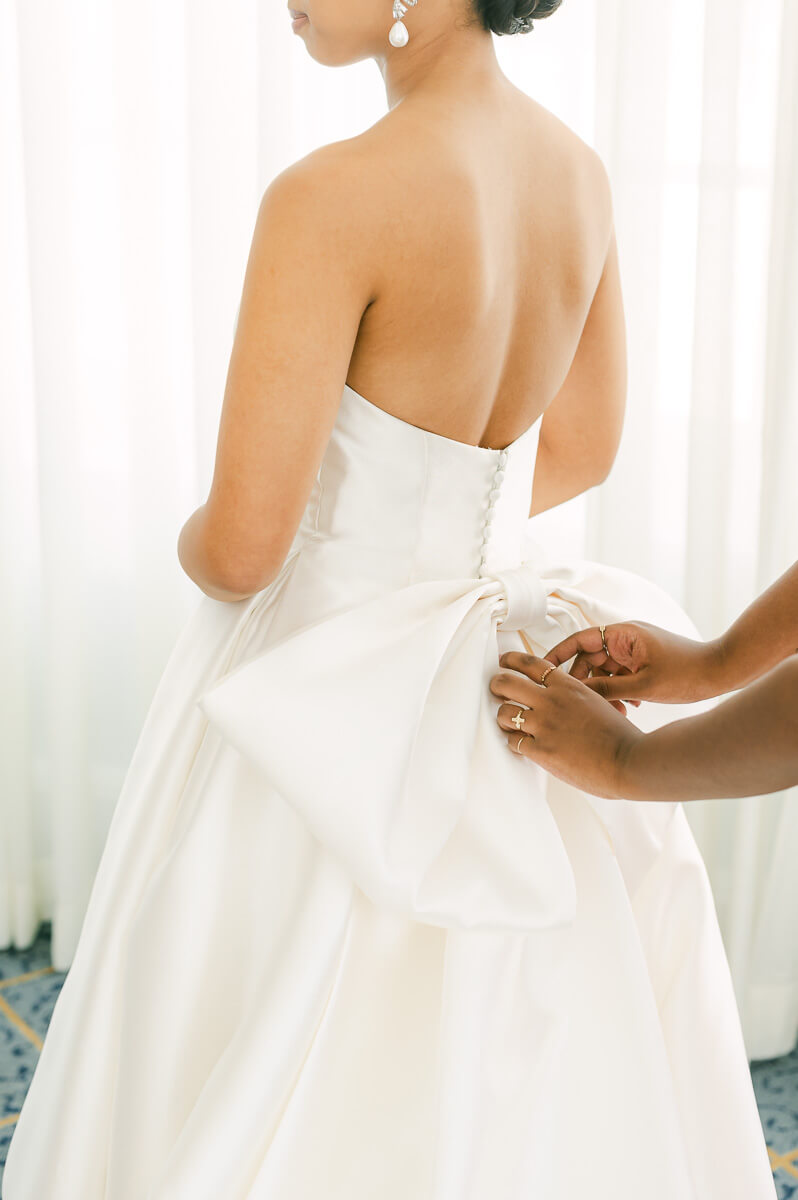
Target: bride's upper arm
[(581, 429), (307, 283)]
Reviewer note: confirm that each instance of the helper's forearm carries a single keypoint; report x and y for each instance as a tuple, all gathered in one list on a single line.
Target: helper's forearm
[(763, 635), (746, 745)]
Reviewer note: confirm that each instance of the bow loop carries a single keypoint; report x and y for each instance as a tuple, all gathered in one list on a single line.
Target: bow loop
[(524, 600)]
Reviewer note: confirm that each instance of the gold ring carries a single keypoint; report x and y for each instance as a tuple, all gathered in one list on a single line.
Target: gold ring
[(518, 719), (520, 740), (602, 631), (546, 673)]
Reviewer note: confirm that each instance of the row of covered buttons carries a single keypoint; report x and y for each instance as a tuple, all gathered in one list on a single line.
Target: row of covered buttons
[(493, 495)]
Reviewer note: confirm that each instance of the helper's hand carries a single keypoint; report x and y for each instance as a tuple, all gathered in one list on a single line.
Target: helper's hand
[(565, 726), (644, 663)]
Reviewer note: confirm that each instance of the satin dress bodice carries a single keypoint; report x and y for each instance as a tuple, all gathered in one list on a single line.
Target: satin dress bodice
[(435, 506)]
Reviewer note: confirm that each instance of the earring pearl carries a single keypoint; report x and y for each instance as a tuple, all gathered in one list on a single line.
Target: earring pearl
[(399, 35)]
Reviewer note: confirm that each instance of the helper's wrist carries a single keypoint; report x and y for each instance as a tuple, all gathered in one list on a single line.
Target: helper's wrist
[(630, 765), (717, 668)]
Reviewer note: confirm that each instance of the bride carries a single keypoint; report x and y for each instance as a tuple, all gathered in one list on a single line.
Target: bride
[(342, 942)]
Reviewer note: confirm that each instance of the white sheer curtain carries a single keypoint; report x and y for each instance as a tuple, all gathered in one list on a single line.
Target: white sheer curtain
[(134, 147)]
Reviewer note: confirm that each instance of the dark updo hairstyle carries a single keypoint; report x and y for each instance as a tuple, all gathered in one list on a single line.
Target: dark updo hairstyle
[(513, 16)]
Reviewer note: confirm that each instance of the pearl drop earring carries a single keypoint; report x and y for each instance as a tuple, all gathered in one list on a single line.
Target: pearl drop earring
[(399, 35)]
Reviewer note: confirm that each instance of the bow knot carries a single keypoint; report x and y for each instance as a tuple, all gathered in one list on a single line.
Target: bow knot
[(525, 597)]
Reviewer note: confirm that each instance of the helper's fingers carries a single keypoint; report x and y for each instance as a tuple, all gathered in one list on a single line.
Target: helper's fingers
[(530, 665), (587, 641), (595, 661), (581, 668), (619, 687), (518, 722), (580, 671), (517, 716)]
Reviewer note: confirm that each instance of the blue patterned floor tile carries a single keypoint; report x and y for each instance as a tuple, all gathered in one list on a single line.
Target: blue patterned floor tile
[(780, 1127), (776, 1077), (18, 1058), (35, 999), (15, 962), (6, 1134), (776, 1089), (786, 1186)]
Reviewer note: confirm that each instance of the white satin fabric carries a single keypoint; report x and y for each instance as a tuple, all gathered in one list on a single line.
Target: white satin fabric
[(342, 942)]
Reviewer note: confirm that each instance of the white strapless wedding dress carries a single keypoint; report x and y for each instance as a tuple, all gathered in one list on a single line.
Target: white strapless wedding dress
[(343, 944)]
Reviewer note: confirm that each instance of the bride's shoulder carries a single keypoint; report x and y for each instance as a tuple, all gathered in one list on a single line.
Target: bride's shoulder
[(340, 158), (343, 183), (563, 141)]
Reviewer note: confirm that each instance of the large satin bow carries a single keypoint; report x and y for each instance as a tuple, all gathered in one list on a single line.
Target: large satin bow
[(378, 726)]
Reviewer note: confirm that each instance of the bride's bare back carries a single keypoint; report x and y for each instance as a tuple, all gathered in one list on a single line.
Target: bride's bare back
[(501, 227), (456, 265)]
